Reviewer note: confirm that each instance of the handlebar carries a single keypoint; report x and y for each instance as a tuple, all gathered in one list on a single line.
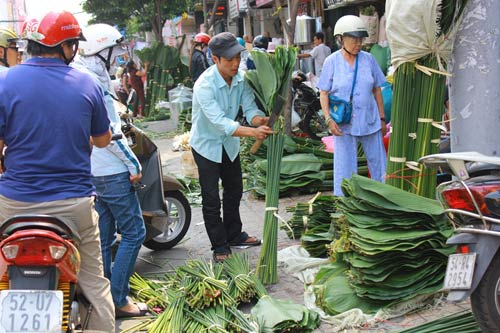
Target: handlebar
[(116, 136)]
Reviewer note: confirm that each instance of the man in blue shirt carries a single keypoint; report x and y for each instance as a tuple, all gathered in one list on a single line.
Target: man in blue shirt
[(114, 169), (215, 142), (50, 114)]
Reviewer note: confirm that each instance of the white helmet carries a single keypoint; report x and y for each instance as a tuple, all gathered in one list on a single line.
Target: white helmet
[(350, 25), (99, 37)]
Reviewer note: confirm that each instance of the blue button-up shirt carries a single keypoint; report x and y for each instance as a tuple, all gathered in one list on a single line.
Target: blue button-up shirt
[(337, 77), (215, 107)]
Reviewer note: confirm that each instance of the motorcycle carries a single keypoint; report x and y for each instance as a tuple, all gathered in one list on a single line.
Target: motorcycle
[(39, 270), (165, 209), (306, 109), (472, 202)]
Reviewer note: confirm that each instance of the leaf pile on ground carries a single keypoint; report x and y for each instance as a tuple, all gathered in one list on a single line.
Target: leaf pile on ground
[(392, 248), (201, 296)]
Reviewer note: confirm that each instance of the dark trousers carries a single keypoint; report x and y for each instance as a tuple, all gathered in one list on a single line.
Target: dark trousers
[(221, 231)]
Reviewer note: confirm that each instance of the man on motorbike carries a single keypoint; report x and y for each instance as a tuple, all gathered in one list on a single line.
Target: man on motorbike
[(9, 49), (115, 171), (50, 115)]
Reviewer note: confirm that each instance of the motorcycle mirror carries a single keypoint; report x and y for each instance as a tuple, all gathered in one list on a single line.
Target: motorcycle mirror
[(492, 201)]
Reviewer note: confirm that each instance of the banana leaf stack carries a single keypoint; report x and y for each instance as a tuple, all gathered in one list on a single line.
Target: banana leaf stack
[(306, 167), (165, 70), (393, 245), (276, 315)]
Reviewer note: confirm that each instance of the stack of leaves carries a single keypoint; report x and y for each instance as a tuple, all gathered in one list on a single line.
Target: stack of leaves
[(306, 167), (270, 82), (277, 315), (200, 297), (312, 222), (392, 242), (165, 71)]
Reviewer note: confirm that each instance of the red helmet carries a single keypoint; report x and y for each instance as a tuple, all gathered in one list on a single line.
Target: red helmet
[(52, 29), (202, 38)]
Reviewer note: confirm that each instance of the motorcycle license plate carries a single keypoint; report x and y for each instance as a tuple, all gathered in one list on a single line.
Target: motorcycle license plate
[(31, 311), (459, 271)]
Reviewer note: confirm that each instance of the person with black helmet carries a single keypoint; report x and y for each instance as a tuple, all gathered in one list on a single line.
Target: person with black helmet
[(260, 43), (354, 75), (215, 143), (50, 115), (199, 60), (9, 49)]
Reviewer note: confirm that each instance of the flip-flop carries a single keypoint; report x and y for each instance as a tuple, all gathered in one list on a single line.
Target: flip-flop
[(219, 257), (142, 307), (248, 242)]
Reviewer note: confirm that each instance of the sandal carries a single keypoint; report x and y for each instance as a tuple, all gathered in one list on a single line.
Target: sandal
[(142, 310), (219, 257), (246, 240)]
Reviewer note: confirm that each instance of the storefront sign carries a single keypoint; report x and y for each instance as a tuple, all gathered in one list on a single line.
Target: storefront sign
[(329, 3), (260, 3), (234, 9)]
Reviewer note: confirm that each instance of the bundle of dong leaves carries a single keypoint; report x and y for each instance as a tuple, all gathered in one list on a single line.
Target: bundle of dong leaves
[(312, 222), (392, 248), (203, 297), (270, 82)]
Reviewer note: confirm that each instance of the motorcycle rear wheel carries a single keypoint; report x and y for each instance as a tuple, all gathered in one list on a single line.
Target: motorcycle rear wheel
[(485, 300), (313, 124), (179, 219)]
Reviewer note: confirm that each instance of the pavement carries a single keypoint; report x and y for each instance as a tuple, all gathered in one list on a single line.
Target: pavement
[(196, 244)]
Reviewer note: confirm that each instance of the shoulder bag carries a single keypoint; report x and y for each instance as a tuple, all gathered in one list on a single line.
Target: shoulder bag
[(341, 110)]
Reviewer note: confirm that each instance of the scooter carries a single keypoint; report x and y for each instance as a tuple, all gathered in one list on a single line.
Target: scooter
[(39, 267), (165, 209), (306, 109), (472, 202)]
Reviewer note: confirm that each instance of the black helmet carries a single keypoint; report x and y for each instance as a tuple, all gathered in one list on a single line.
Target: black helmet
[(261, 42)]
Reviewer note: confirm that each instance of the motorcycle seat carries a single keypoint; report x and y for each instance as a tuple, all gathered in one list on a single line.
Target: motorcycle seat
[(61, 226)]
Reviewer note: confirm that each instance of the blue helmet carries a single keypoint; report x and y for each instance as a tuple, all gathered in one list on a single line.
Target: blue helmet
[(241, 41)]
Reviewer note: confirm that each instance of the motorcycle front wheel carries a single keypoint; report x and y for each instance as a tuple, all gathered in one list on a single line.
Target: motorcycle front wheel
[(179, 219), (485, 300)]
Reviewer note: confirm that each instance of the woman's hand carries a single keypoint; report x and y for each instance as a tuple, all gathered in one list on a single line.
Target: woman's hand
[(334, 128)]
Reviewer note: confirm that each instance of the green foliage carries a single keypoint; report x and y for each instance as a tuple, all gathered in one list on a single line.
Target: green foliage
[(137, 14)]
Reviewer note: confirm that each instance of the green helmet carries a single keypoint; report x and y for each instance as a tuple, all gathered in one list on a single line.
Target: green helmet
[(7, 36)]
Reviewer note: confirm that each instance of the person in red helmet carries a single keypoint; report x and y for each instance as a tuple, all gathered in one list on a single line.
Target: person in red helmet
[(199, 60), (50, 115)]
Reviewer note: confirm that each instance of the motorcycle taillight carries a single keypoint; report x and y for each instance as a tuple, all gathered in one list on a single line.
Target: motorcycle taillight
[(34, 250), (457, 197)]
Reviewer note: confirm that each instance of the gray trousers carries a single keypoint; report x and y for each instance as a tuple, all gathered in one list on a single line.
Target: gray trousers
[(91, 280)]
